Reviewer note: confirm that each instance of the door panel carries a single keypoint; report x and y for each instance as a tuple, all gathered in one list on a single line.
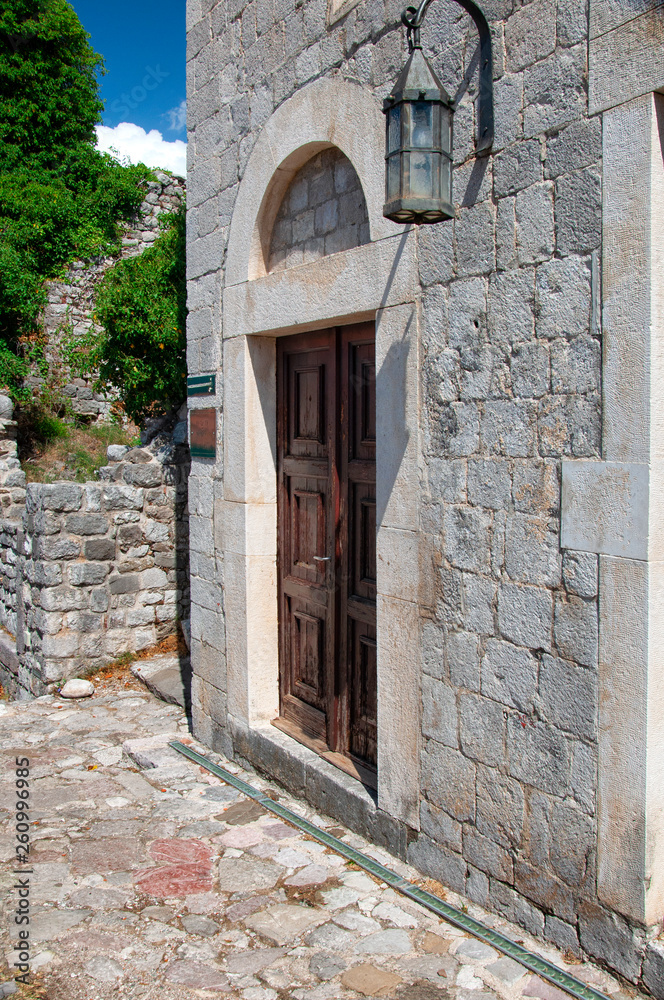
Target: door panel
[(327, 544)]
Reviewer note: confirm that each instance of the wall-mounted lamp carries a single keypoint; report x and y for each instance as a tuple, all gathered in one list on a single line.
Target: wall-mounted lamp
[(418, 149)]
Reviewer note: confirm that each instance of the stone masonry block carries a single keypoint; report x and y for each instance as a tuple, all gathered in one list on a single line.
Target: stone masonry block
[(479, 595), (535, 488), (481, 727), (486, 855), (152, 578), (562, 934), (563, 298), (46, 574), (576, 630), (653, 969), (440, 827), (571, 22), (464, 661), (525, 615), (532, 550), (509, 675), (59, 497), (117, 497), (508, 428), (506, 253), (100, 548), (87, 524), (508, 105), (584, 776), (576, 365), (570, 425), (579, 145), (580, 572), (545, 891), (99, 600), (572, 841), (554, 90), (489, 483), (500, 807), (568, 697), (88, 573), (439, 712), (467, 538), (59, 547), (433, 650), (602, 933), (517, 167), (530, 34), (529, 368), (579, 212), (63, 599), (61, 646), (439, 862), (538, 754), (435, 253), (448, 781), (505, 900), (511, 305), (128, 583), (534, 223), (474, 238)]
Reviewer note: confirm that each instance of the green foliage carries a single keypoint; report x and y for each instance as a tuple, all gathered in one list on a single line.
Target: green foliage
[(60, 199), (141, 304)]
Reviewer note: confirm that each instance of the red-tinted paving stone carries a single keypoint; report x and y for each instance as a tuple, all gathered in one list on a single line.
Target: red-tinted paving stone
[(278, 831), (174, 880), (536, 987), (197, 976), (238, 911), (107, 854), (179, 852)]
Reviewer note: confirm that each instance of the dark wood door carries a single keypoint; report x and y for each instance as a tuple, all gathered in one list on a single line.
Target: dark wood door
[(327, 544)]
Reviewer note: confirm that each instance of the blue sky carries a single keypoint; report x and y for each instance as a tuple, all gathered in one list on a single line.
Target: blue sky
[(143, 45)]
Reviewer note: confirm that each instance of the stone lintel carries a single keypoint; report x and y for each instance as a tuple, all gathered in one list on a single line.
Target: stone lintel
[(627, 60)]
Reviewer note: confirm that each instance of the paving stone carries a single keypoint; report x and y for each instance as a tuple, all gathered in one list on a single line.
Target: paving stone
[(205, 902), (164, 913), (437, 968), (536, 987), (370, 981), (337, 899), (331, 938), (243, 837), (49, 926), (475, 950), (423, 991), (326, 966), (394, 915), (203, 926), (507, 970), (249, 962), (196, 975), (174, 880), (311, 875), (106, 854), (354, 921), (247, 875), (238, 911), (103, 969), (434, 944), (392, 942), (242, 812), (284, 922)]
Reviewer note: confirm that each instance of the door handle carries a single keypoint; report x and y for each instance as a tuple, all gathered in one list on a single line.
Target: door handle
[(322, 558)]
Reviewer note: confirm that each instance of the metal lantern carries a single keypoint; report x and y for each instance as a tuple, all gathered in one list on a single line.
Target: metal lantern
[(418, 157)]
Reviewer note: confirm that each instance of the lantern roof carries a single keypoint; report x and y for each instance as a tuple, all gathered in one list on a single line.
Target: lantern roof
[(418, 82)]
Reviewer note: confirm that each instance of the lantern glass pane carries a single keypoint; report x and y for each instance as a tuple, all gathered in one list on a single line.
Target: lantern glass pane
[(421, 124), (420, 175), (394, 128), (393, 177)]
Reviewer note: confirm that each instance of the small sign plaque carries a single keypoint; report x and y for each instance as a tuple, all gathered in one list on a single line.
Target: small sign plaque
[(203, 433), (201, 385)]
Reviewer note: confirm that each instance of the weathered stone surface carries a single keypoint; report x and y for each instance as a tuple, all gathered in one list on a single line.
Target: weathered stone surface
[(509, 675), (77, 688), (390, 942), (196, 975), (370, 981), (283, 923)]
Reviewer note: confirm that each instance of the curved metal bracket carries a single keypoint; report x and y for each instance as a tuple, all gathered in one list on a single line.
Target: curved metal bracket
[(412, 17)]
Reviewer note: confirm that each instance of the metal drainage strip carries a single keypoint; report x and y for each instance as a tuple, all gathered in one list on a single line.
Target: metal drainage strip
[(453, 916)]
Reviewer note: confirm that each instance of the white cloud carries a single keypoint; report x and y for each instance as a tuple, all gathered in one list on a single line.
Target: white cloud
[(177, 117), (132, 143)]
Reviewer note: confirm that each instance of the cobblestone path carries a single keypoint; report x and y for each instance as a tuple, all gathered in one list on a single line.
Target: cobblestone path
[(152, 879)]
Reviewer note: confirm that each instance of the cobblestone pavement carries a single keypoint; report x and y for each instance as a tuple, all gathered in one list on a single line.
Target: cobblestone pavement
[(151, 878)]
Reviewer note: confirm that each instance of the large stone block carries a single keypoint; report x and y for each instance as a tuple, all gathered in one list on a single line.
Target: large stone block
[(59, 497), (529, 368), (572, 841), (579, 145), (482, 729), (508, 428), (602, 933), (439, 862), (439, 712), (535, 488), (464, 660), (63, 599), (486, 855), (478, 600), (448, 780), (525, 615), (554, 91), (489, 483), (534, 223), (87, 524), (545, 891), (530, 34), (517, 167), (467, 538), (500, 807), (568, 696), (653, 969), (570, 425), (440, 827), (505, 900), (474, 238), (538, 754), (576, 630), (511, 305), (580, 573), (578, 209), (532, 552), (509, 675), (117, 497), (88, 574)]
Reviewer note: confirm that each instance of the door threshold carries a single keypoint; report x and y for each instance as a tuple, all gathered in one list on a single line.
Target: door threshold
[(363, 773)]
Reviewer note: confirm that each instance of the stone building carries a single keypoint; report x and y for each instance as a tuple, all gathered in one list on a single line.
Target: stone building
[(427, 596)]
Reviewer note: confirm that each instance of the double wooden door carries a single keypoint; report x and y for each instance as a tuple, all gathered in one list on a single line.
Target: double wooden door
[(327, 544)]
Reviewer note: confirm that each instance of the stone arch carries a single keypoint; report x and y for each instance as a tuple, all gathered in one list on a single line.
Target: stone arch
[(328, 112), (323, 211)]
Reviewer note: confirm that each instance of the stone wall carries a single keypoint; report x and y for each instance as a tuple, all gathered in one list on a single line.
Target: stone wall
[(70, 300), (322, 212), (91, 571), (510, 347)]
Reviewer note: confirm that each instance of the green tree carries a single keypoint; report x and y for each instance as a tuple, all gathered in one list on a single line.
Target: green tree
[(60, 199), (140, 354)]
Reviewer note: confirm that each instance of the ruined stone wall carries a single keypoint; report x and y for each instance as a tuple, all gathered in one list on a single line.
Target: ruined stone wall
[(91, 571), (510, 385), (70, 300)]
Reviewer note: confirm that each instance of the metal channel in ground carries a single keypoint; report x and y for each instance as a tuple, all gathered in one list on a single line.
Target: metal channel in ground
[(458, 918)]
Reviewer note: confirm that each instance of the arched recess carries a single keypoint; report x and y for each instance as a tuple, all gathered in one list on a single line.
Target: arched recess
[(328, 112)]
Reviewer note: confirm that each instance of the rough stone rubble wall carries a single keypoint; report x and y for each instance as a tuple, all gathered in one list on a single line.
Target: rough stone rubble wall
[(70, 302), (510, 385), (95, 570)]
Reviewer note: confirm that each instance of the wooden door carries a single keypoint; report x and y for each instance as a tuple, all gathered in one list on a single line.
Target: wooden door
[(327, 544)]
